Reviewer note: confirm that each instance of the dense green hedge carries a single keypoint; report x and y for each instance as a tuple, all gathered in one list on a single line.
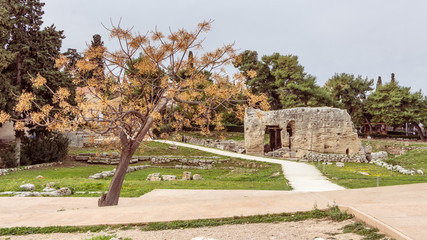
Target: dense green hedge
[(46, 147)]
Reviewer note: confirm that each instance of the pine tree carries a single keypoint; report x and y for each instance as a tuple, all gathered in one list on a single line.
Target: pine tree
[(351, 91), (283, 80)]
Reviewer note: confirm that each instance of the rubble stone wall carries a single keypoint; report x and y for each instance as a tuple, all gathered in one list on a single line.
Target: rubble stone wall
[(320, 130)]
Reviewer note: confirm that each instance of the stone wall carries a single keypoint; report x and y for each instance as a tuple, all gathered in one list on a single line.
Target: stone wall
[(320, 130), (228, 145), (333, 157)]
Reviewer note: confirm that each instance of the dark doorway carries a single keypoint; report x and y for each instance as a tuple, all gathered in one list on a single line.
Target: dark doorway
[(275, 139), (290, 129)]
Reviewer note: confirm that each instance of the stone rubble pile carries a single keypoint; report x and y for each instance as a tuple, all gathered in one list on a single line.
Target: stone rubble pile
[(105, 174), (190, 164), (185, 176), (377, 158), (197, 162), (281, 152), (154, 177), (27, 187), (6, 171), (325, 157), (228, 145), (379, 155), (112, 158), (186, 163), (397, 168)]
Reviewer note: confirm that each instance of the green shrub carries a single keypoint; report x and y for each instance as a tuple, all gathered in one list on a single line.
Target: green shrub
[(46, 147), (7, 155)]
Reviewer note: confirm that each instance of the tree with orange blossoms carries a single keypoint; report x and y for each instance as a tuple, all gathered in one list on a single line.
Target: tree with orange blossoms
[(142, 77)]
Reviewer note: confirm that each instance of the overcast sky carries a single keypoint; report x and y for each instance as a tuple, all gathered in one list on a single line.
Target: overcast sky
[(363, 37)]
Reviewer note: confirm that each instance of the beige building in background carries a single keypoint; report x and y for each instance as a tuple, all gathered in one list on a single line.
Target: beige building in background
[(7, 133)]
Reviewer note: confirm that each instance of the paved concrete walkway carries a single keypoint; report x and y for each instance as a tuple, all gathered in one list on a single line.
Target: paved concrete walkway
[(399, 211), (302, 177)]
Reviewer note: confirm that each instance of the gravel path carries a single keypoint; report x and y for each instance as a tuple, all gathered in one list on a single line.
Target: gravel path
[(309, 230), (301, 176)]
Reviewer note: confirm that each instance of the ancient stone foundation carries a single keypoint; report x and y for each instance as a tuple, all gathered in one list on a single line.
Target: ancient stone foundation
[(298, 131)]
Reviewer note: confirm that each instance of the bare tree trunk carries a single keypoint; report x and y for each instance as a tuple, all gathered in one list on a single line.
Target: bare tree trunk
[(420, 132), (129, 147), (370, 126), (112, 196)]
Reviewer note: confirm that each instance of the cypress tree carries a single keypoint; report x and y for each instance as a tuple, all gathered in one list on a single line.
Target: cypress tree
[(27, 50)]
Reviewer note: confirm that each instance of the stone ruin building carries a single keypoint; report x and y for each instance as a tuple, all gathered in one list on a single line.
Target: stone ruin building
[(297, 131)]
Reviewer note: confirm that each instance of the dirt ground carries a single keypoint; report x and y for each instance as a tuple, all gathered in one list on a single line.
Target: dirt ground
[(309, 230)]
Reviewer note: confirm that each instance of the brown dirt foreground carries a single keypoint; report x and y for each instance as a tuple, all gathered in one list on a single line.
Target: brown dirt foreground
[(310, 230)]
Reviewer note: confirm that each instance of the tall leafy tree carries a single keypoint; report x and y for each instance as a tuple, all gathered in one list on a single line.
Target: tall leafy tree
[(27, 50), (351, 91), (283, 80), (396, 105), (296, 88), (417, 112)]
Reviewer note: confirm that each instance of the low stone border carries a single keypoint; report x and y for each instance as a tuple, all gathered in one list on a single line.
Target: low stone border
[(48, 191), (377, 158), (186, 176), (105, 174), (9, 170), (397, 168), (325, 157), (114, 159)]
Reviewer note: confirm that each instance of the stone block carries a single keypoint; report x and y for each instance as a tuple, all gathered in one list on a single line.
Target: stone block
[(27, 187), (197, 177), (339, 164), (81, 158), (154, 177), (169, 177), (50, 184), (48, 189), (28, 194), (186, 176), (62, 192)]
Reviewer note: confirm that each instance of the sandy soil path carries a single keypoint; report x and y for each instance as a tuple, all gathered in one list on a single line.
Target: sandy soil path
[(304, 230)]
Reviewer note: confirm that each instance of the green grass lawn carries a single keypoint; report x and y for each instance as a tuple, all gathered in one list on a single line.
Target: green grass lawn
[(237, 136), (349, 176), (414, 159), (381, 144), (245, 175)]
